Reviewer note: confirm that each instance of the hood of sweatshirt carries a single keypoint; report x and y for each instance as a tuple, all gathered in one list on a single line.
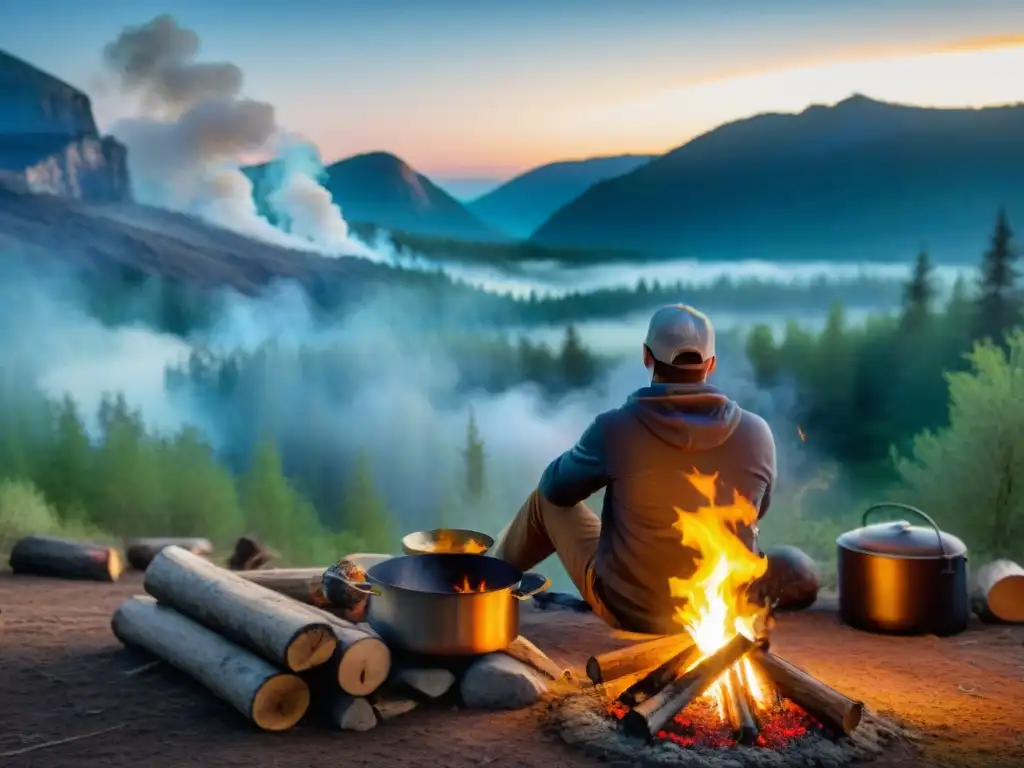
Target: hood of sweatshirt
[(695, 417)]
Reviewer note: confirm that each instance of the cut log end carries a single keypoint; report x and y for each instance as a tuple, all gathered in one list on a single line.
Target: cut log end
[(280, 703), (851, 719), (364, 667), (312, 646), (115, 564), (1001, 592)]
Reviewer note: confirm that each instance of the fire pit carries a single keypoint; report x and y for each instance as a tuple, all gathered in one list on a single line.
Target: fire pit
[(715, 692)]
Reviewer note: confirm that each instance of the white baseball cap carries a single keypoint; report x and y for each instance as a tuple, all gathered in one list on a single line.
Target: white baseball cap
[(677, 329)]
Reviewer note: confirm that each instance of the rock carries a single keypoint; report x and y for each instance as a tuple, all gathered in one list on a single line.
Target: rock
[(497, 681), (389, 705), (432, 683), (792, 578), (49, 143)]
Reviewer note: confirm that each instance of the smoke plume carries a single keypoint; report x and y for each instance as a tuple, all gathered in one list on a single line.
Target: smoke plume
[(193, 131)]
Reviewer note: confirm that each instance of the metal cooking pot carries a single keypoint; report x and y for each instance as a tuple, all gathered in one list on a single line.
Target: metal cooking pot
[(902, 579), (416, 603), (447, 540)]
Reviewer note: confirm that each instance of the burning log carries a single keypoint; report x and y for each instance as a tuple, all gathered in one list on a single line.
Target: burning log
[(825, 703), (523, 650), (279, 629), (606, 667), (351, 713), (1000, 592), (740, 710), (302, 584), (361, 661), (649, 717), (140, 552), (273, 700), (614, 689), (659, 677), (65, 559)]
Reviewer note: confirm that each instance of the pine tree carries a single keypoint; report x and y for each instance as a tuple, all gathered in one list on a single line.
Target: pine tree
[(366, 513), (474, 456), (998, 306), (268, 500), (577, 364), (919, 293), (67, 477)]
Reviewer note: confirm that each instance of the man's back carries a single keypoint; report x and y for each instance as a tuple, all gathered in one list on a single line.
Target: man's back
[(643, 452)]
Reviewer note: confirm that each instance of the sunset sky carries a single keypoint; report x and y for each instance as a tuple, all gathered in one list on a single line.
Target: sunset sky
[(487, 88)]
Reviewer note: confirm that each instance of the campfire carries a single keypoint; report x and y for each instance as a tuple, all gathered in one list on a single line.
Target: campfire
[(717, 683)]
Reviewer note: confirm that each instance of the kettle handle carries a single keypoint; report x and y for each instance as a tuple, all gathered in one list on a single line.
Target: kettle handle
[(906, 508)]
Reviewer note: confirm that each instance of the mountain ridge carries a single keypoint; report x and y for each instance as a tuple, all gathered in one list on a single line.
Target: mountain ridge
[(381, 189), (524, 202), (861, 179)]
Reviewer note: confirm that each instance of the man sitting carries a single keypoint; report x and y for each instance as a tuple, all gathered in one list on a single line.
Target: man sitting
[(640, 453)]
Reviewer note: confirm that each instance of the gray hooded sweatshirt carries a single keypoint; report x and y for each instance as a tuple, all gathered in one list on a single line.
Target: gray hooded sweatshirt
[(641, 453)]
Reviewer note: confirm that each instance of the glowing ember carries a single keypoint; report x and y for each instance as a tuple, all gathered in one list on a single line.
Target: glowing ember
[(717, 606), (447, 542), (465, 586), (700, 725)]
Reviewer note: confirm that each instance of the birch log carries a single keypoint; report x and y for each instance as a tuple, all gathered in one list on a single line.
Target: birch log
[(302, 584), (361, 661), (274, 626), (273, 700), (1000, 591)]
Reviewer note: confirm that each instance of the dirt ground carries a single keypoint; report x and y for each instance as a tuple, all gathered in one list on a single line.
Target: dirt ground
[(62, 675)]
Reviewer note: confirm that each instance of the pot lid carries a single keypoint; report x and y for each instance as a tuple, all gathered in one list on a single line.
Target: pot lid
[(901, 539)]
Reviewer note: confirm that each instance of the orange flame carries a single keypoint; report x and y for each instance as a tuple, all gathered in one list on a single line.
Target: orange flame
[(465, 586), (717, 606), (446, 541)]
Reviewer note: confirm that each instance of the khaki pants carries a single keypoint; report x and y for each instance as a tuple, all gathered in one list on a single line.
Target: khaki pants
[(540, 529)]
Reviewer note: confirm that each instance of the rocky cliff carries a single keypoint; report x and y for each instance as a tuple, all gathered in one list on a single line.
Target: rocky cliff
[(49, 142)]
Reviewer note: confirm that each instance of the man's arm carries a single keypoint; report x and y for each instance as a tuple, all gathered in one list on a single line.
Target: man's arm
[(579, 472), (766, 499)]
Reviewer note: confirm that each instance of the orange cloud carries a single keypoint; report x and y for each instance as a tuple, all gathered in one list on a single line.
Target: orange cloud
[(989, 42)]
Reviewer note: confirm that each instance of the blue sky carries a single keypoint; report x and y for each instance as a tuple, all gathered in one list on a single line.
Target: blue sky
[(485, 88)]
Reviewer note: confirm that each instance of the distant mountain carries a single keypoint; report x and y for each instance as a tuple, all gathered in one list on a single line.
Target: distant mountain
[(468, 188), (860, 180), (381, 189), (523, 203)]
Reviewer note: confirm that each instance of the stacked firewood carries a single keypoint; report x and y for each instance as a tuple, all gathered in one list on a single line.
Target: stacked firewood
[(274, 657), (657, 679)]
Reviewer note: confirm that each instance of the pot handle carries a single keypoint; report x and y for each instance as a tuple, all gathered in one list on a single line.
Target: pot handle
[(362, 587), (907, 508), (530, 585)]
